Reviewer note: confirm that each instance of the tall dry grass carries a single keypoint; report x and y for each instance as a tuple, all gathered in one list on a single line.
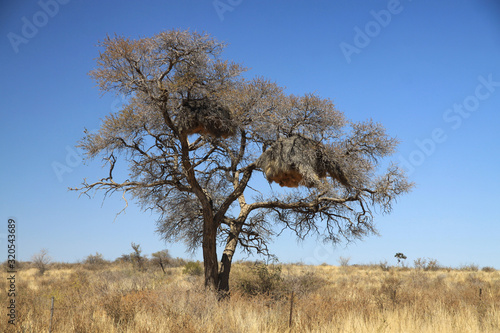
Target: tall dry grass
[(117, 298)]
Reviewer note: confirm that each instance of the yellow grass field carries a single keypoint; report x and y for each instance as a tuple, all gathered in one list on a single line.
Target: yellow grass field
[(119, 298)]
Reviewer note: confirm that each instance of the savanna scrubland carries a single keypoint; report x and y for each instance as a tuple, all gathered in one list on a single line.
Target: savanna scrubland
[(124, 297)]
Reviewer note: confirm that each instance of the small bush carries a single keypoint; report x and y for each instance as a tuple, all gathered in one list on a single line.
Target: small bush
[(79, 280), (469, 268), (95, 261), (161, 259), (118, 310), (426, 264), (138, 260), (384, 266), (389, 290), (41, 261), (344, 261), (262, 279), (304, 284), (193, 268), (488, 269), (177, 262)]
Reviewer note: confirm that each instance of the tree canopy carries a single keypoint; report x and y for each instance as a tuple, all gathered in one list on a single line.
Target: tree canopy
[(197, 136)]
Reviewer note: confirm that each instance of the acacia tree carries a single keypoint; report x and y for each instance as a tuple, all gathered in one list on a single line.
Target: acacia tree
[(41, 260), (198, 137)]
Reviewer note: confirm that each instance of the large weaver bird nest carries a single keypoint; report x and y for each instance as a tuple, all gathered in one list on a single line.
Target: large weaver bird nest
[(203, 116), (298, 161)]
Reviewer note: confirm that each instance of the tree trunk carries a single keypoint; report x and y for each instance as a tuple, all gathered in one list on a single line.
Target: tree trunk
[(210, 254), (209, 243), (225, 269), (227, 258)]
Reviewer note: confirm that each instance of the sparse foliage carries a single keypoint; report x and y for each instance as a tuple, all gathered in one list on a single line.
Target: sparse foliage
[(262, 279), (95, 260), (469, 267), (196, 133), (193, 268), (161, 258), (124, 258), (135, 258), (344, 261), (426, 264), (138, 260), (41, 260), (384, 265), (488, 269)]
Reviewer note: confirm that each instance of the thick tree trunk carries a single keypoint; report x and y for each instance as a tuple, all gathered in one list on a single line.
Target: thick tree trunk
[(227, 258), (225, 269), (209, 243), (210, 255)]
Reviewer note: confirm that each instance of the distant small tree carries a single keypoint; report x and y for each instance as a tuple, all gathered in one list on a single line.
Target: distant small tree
[(400, 256), (344, 261), (41, 260), (124, 258), (136, 257), (161, 258), (95, 260)]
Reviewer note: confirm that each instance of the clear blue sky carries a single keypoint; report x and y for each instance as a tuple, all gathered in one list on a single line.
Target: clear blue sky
[(428, 70)]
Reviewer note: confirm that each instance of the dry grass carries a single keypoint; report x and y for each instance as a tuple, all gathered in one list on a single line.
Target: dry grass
[(116, 298)]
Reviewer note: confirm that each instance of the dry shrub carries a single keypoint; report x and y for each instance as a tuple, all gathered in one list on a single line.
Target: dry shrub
[(79, 280), (95, 262), (41, 261), (469, 267), (304, 284), (193, 268), (384, 266), (117, 312), (63, 265), (122, 308), (261, 279), (426, 264), (388, 292)]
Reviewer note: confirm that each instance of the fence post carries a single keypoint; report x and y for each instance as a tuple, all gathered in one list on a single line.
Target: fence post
[(51, 314), (291, 310)]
